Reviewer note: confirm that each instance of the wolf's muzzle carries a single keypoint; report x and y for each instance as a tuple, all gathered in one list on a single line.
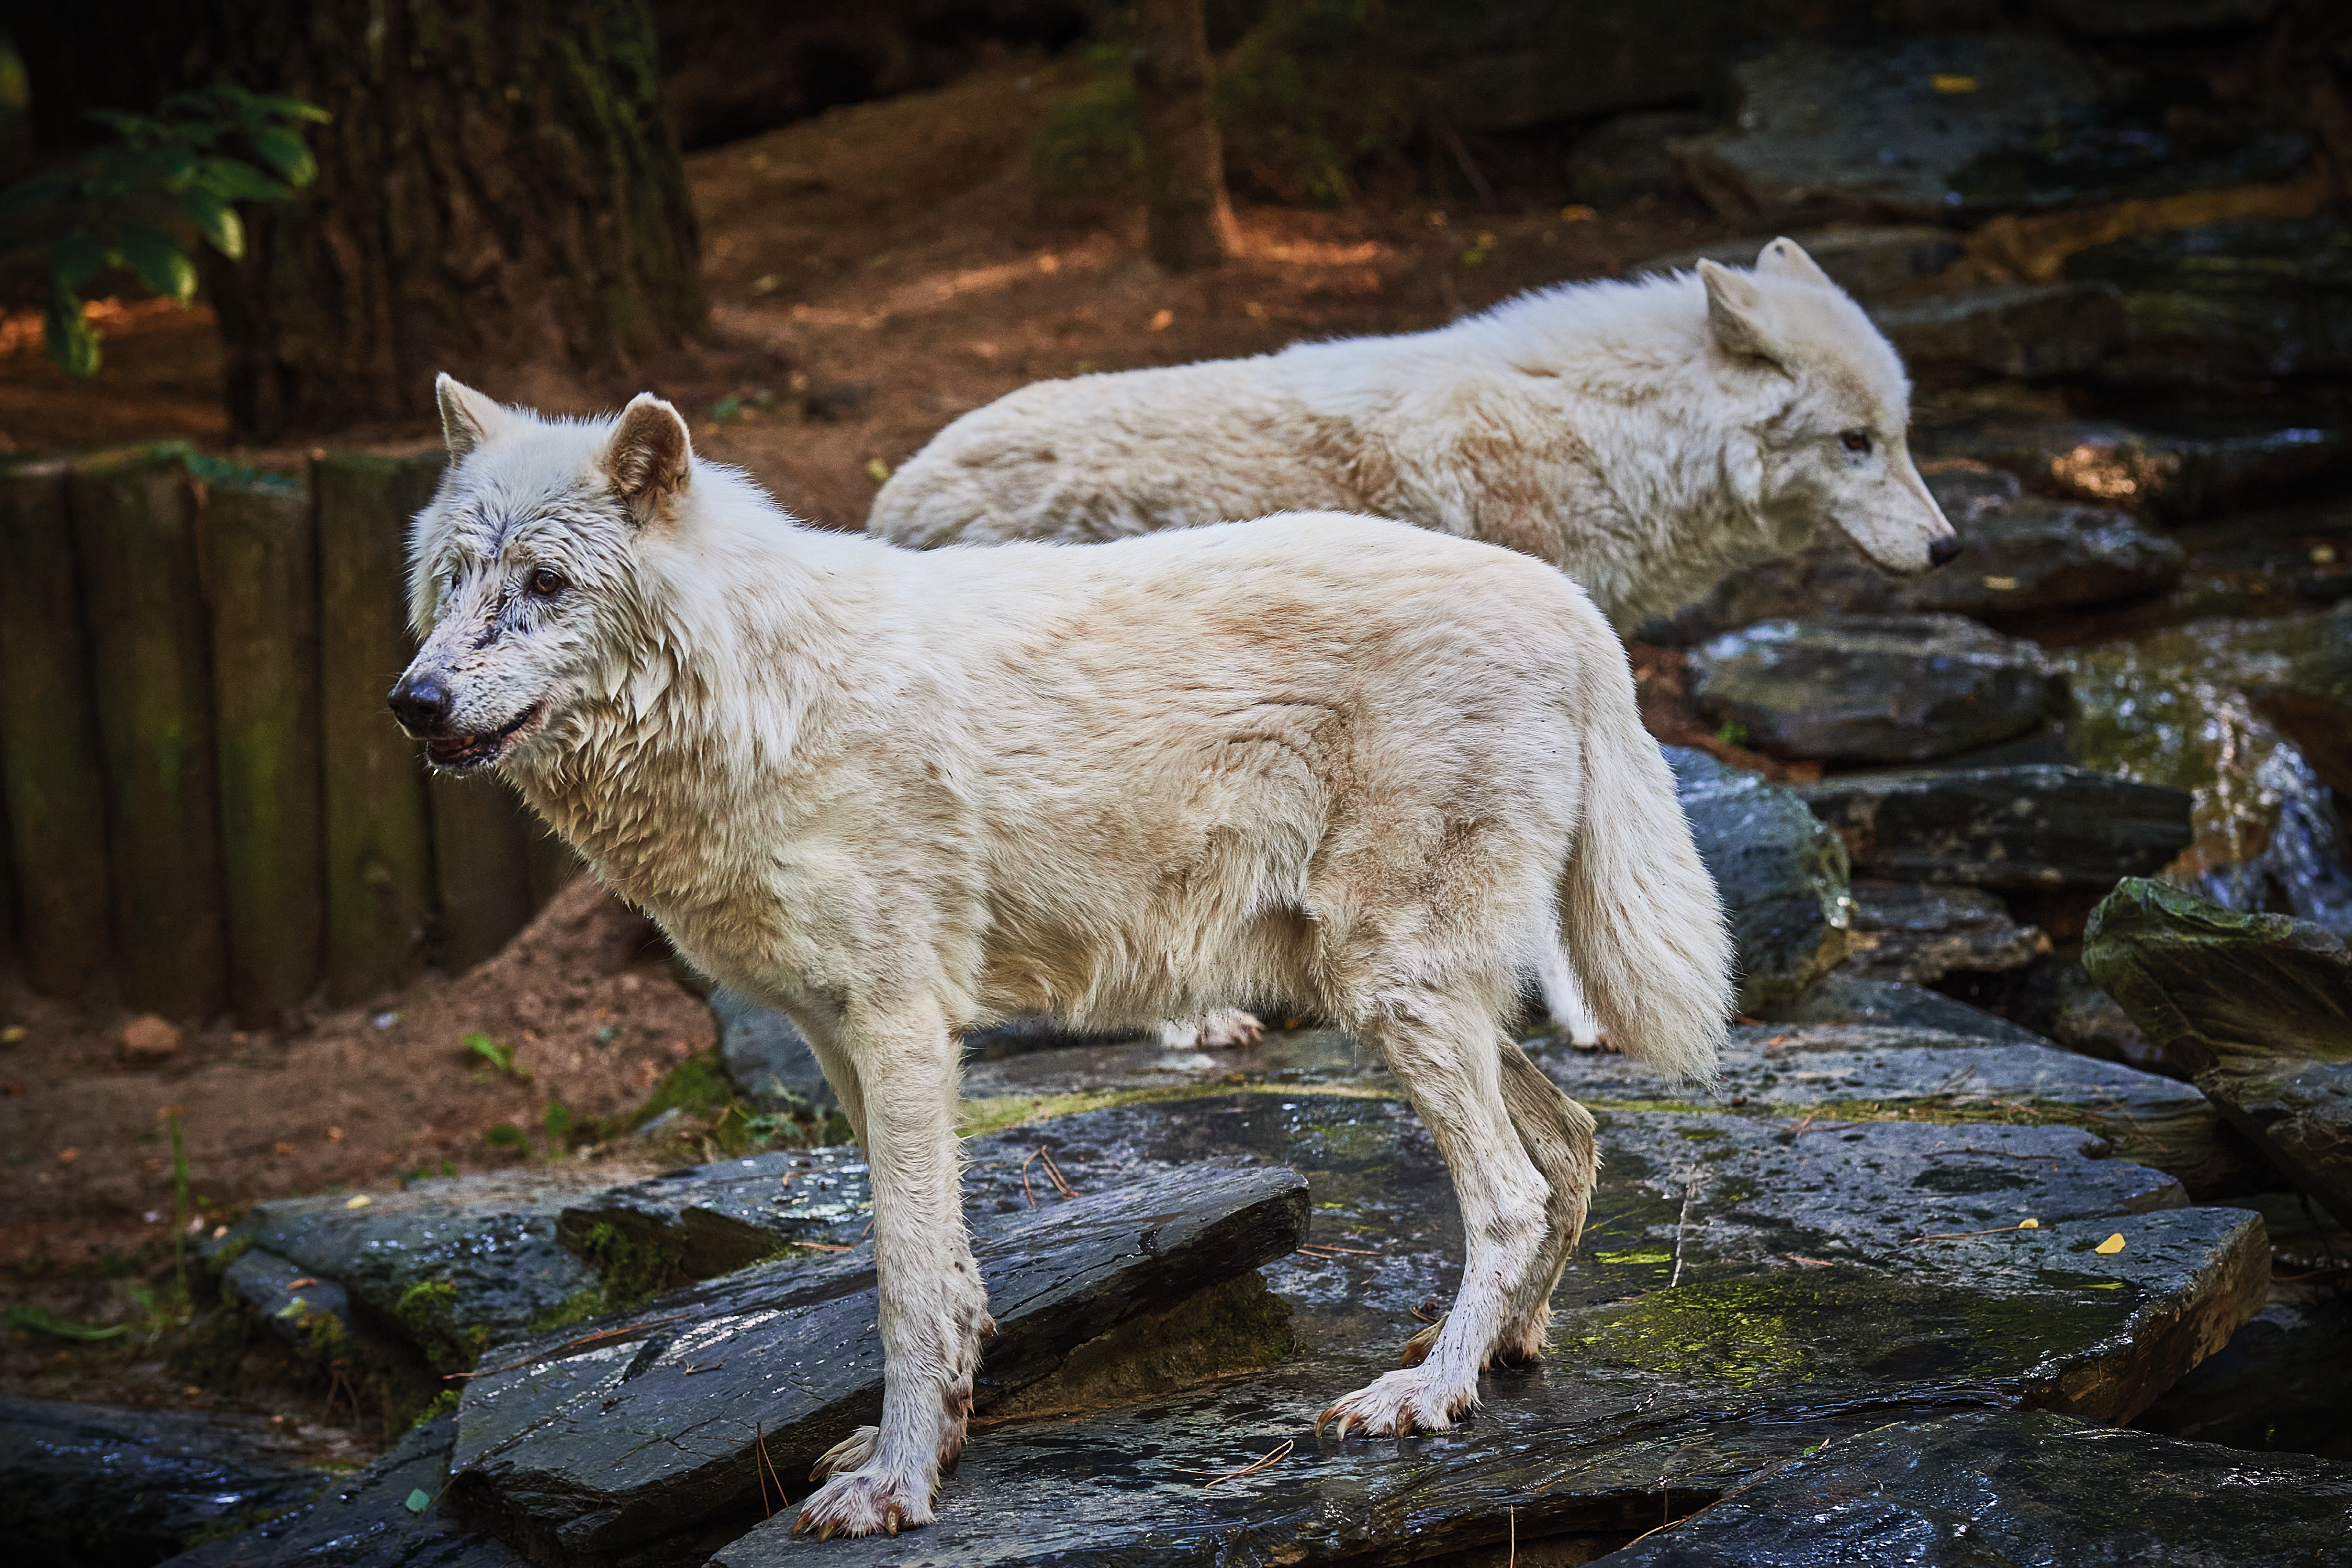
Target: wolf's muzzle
[(422, 706)]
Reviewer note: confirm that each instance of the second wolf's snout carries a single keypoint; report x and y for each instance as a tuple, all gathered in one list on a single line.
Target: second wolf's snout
[(421, 704)]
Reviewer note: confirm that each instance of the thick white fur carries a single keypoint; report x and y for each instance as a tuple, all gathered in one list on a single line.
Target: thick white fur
[(1648, 439), (1331, 759)]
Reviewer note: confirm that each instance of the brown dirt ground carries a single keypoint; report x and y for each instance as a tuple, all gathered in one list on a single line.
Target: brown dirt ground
[(874, 273)]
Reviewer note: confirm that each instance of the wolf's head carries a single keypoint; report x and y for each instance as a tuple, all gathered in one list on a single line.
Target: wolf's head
[(524, 572), (1836, 451)]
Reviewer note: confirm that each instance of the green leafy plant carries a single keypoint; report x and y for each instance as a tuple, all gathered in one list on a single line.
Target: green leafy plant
[(132, 203), (41, 1320), (506, 1135), (499, 1057), (558, 1121)]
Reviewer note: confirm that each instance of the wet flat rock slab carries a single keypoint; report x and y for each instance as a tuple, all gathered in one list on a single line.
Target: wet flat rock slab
[(1970, 1491), (1744, 1290)]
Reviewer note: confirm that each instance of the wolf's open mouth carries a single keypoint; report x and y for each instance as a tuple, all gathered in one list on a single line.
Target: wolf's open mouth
[(474, 750)]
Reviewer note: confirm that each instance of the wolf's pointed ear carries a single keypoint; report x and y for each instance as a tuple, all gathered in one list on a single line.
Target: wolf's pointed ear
[(1784, 257), (1736, 314), (467, 419), (650, 458)]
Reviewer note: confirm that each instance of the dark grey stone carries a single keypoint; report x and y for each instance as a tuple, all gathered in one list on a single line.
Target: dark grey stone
[(2259, 1007), (765, 1057), (1627, 157), (2027, 331), (2310, 701), (364, 1521), (1865, 262), (1692, 1349), (1844, 999), (2172, 476), (589, 1442), (2282, 1385), (2030, 826), (94, 1486), (287, 1299), (1905, 930), (2141, 18), (1873, 688), (708, 1220), (1781, 875), (1957, 127), (2028, 1487), (2236, 304)]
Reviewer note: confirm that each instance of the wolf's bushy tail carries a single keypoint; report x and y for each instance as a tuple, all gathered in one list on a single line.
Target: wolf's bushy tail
[(1644, 926)]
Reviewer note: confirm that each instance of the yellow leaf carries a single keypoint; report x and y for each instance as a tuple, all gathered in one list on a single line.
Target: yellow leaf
[(877, 471), (1162, 319), (2029, 1225), (1575, 215), (1955, 83), (2001, 584), (2110, 1246), (359, 1202)]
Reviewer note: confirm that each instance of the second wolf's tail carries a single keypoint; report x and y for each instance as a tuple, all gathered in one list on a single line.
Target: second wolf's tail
[(1643, 927)]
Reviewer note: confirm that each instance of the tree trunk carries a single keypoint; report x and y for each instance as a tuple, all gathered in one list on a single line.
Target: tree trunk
[(498, 196), (1192, 225)]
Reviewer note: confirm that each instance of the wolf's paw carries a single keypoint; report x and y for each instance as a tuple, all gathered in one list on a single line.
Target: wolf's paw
[(1396, 1405), (863, 1502), (847, 1455), (1229, 1026)]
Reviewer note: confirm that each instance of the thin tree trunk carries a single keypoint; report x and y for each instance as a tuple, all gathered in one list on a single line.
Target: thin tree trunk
[(1192, 225), (498, 196)]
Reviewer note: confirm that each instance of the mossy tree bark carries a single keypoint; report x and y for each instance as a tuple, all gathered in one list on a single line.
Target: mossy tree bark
[(1191, 222), (498, 196)]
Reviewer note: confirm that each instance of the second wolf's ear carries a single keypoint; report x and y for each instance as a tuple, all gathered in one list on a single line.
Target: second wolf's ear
[(1784, 257), (650, 458), (1736, 315), (467, 419)]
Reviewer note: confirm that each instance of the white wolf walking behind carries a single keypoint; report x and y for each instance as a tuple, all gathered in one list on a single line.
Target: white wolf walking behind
[(1648, 439), (1333, 759)]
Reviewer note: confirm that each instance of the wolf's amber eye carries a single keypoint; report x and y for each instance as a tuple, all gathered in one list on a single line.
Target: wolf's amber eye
[(1856, 440), (546, 581)]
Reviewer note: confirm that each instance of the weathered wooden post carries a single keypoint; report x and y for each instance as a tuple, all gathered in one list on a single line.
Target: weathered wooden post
[(481, 857), (380, 881), (261, 564), (150, 663), (49, 775)]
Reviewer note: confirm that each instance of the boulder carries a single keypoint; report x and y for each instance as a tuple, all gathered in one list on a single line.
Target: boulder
[(2171, 476), (1959, 126), (1747, 1289), (1873, 688), (595, 1442), (2238, 304), (1781, 875), (1843, 1076), (2260, 1006), (2020, 555), (1999, 1486), (2282, 1384), (708, 1220), (2027, 331), (386, 1516), (1865, 262), (1907, 930), (2058, 999), (1846, 999), (2037, 826), (2310, 701), (93, 1486)]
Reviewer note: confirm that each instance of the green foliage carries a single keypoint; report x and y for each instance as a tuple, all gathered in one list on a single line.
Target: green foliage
[(427, 1309), (506, 1135), (133, 203), (41, 1320), (558, 1121), (499, 1057), (631, 1270), (444, 1403), (697, 1084), (1304, 101), (1732, 734)]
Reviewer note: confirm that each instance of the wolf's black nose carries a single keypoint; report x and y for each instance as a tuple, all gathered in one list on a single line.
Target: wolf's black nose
[(422, 706), (1941, 550)]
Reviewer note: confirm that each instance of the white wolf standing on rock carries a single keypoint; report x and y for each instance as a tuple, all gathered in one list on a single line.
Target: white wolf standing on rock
[(897, 795), (1648, 439)]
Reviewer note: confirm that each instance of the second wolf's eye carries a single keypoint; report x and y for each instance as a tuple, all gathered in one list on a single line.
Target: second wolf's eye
[(546, 581), (1856, 440)]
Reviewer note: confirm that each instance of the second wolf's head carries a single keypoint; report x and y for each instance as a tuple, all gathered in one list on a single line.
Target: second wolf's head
[(1835, 449), (527, 576)]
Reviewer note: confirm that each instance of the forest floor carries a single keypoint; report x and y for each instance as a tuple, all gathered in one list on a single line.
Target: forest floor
[(873, 273)]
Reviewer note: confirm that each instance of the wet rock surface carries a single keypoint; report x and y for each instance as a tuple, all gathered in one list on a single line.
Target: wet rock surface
[(94, 1486), (2282, 1384), (1781, 875), (594, 1441), (2030, 332), (2227, 304), (2171, 476), (2033, 825), (1873, 689), (1849, 999), (765, 1057), (1906, 932), (2260, 1006), (1692, 1350), (2020, 1487), (371, 1520)]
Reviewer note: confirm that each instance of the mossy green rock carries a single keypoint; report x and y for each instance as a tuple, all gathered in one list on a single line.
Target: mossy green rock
[(2259, 1007), (1781, 875), (2018, 1486)]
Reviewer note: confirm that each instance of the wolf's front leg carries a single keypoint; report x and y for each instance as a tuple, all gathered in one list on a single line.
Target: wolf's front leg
[(934, 1307)]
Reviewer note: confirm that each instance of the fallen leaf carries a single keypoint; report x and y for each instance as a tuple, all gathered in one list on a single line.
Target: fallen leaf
[(2110, 1246), (68, 1156), (303, 1283), (359, 1202), (334, 1134), (419, 1500), (877, 471), (1943, 83), (15, 1033), (281, 1147), (2029, 1225), (1162, 319)]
